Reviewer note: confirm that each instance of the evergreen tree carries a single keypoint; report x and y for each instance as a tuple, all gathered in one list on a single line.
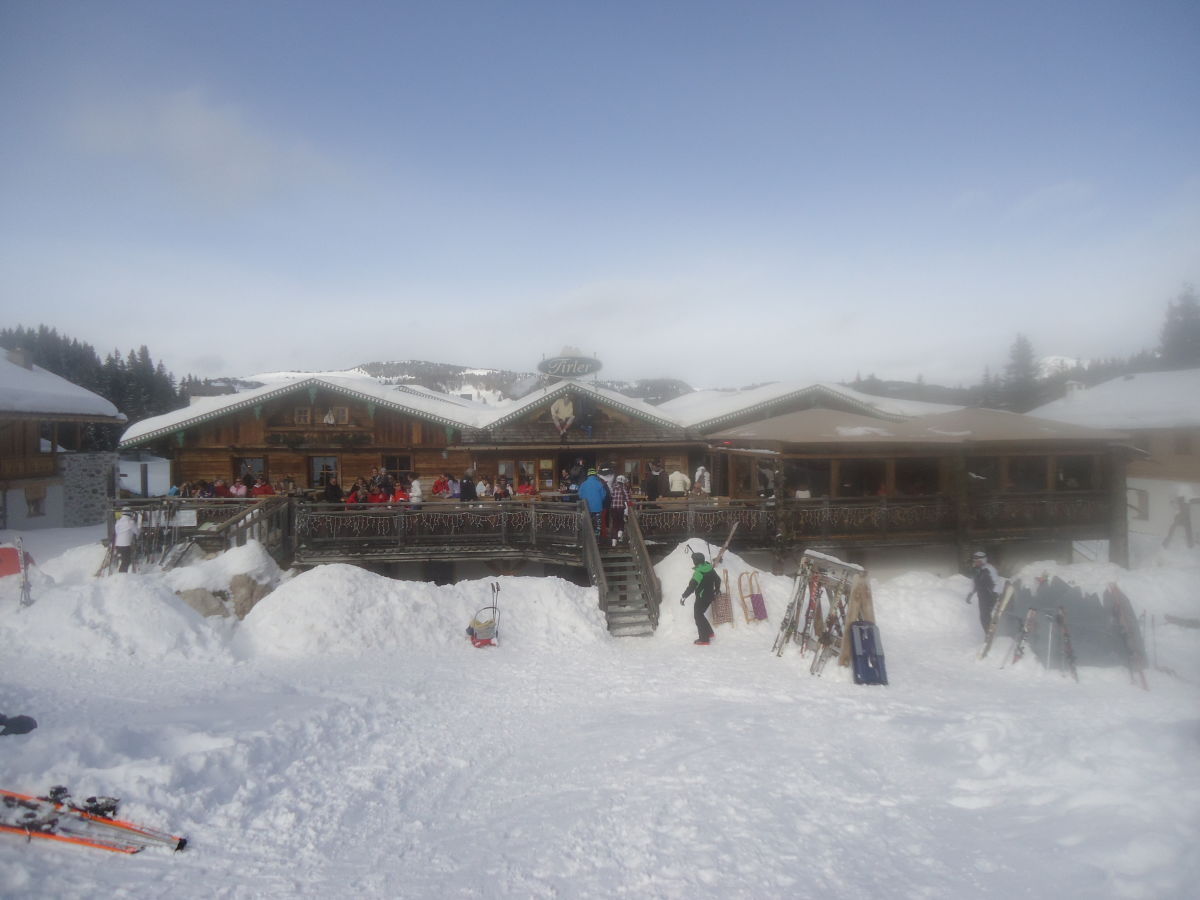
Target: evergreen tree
[(1180, 344), (1021, 377)]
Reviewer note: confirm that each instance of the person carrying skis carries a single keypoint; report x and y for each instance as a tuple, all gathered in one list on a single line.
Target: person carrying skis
[(704, 583), (124, 532), (988, 586)]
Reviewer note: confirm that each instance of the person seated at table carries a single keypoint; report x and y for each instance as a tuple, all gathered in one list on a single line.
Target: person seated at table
[(441, 487), (527, 487), (333, 490), (358, 494), (399, 495), (501, 491)]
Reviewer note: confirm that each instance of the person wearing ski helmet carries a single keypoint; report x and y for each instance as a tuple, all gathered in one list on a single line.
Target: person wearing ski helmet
[(594, 493), (988, 586), (704, 584)]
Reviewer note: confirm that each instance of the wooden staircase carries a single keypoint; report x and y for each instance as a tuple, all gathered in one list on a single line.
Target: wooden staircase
[(627, 604)]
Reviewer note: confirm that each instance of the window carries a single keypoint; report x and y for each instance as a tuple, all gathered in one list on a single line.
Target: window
[(397, 464), (1139, 503), (916, 477), (302, 415), (336, 415), (527, 471), (861, 478), (632, 470), (1026, 473), (546, 474), (35, 500), (505, 468), (321, 469), (1073, 473), (251, 466)]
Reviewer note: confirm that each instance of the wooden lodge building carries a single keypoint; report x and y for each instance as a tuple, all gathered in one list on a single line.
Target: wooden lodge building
[(796, 465), (46, 479)]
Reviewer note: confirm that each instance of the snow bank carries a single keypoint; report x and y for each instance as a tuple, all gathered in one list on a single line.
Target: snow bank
[(345, 609), (123, 616), (215, 574)]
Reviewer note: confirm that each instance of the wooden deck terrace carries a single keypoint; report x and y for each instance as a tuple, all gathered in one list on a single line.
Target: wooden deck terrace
[(300, 532), (440, 530)]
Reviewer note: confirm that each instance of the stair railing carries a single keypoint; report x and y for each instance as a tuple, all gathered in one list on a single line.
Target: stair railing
[(651, 586), (591, 555)]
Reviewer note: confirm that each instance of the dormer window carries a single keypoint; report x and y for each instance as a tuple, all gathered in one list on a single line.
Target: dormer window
[(302, 415)]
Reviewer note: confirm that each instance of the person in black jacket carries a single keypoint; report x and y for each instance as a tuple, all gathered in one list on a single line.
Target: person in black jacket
[(988, 586), (466, 488), (333, 490), (704, 582)]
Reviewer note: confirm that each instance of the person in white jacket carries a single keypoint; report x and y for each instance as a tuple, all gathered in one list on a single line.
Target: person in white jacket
[(680, 483), (414, 491), (703, 482), (124, 534)]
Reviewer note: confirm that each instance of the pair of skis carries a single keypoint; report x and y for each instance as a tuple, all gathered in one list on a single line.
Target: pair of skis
[(1056, 622), (55, 818)]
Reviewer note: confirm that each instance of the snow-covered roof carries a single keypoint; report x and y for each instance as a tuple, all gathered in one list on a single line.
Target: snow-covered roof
[(820, 426), (1131, 402), (960, 426), (36, 392), (440, 408), (706, 409)]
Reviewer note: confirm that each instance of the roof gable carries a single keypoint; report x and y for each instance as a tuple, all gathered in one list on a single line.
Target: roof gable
[(543, 398), (707, 410), (420, 405)]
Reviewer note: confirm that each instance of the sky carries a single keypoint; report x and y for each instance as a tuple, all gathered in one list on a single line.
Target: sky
[(724, 193)]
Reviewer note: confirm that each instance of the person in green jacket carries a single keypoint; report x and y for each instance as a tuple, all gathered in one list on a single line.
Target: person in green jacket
[(704, 583)]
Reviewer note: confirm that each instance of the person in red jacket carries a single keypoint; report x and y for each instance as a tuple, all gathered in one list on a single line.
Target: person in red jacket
[(441, 487), (261, 488)]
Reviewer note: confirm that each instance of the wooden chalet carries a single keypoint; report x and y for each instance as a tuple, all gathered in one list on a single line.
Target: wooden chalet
[(42, 419), (809, 465), (794, 467)]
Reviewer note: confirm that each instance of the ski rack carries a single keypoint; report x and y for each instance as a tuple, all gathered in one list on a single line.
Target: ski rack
[(816, 613)]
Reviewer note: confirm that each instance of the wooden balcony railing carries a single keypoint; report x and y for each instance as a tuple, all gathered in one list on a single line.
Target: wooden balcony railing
[(27, 467)]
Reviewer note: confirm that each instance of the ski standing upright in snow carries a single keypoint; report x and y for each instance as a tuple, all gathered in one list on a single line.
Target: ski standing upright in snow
[(1028, 627), (23, 562), (1064, 640)]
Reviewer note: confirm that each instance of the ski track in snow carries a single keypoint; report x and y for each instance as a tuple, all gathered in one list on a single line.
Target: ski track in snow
[(597, 767)]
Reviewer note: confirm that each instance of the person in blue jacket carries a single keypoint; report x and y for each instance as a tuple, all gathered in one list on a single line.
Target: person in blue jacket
[(594, 492)]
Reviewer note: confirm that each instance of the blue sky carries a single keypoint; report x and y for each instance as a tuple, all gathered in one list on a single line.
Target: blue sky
[(722, 192)]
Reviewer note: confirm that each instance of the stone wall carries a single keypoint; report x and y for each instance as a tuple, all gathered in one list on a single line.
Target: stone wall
[(87, 487)]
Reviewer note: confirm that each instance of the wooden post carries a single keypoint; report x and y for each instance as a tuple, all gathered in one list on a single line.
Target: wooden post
[(1118, 539), (962, 505)]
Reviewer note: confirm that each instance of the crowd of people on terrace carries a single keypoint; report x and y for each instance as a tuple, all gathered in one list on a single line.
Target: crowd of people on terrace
[(382, 487), (249, 485)]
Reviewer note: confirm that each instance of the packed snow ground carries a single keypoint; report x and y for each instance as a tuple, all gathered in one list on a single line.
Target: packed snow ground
[(345, 740)]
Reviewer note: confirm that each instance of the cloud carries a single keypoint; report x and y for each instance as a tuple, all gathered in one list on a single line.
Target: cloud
[(213, 151)]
